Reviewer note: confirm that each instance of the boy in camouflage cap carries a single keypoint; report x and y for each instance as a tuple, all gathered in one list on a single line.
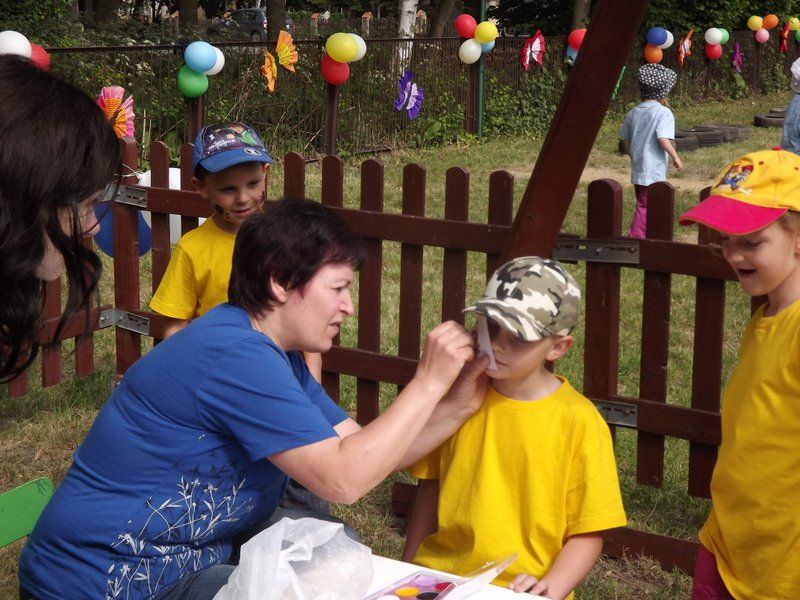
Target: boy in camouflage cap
[(533, 471)]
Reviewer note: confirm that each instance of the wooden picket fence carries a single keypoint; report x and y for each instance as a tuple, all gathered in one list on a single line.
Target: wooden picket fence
[(658, 257)]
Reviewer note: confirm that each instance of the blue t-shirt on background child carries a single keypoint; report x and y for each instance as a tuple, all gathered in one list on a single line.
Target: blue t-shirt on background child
[(643, 126)]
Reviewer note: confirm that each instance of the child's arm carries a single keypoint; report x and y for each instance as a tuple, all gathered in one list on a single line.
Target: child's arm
[(572, 564), (627, 145), (423, 520), (666, 144), (173, 326)]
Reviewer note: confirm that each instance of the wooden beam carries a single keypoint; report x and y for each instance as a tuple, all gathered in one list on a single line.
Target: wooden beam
[(587, 94)]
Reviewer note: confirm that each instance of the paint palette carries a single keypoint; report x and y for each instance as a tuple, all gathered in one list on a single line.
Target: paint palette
[(425, 585), (421, 585)]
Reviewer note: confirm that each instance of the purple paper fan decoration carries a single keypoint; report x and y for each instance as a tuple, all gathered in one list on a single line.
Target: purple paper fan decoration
[(410, 96), (738, 57)]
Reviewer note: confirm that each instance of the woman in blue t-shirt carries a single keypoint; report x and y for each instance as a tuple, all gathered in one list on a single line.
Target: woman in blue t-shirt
[(195, 445)]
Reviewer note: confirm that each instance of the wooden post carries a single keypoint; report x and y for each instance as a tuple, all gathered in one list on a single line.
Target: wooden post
[(195, 111), (471, 104), (331, 118), (574, 127)]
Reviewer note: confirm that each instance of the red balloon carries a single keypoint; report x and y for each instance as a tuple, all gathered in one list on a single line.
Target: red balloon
[(334, 72), (575, 38), (39, 57), (465, 25), (713, 51)]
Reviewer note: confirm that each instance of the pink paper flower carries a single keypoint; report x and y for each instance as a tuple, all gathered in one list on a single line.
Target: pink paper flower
[(117, 110)]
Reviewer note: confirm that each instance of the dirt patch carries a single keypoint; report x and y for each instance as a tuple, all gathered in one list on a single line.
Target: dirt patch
[(687, 183)]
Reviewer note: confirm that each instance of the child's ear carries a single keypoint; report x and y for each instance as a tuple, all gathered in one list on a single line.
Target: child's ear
[(560, 347), (200, 187)]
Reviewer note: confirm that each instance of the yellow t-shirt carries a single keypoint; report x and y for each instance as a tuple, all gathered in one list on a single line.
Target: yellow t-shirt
[(754, 525), (196, 279), (521, 477)]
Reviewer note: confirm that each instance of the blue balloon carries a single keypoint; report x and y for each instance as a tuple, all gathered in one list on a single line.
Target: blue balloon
[(200, 56), (657, 36), (105, 237), (487, 46), (571, 52)]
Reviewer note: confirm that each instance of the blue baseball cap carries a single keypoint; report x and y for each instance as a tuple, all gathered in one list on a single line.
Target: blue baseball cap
[(224, 145)]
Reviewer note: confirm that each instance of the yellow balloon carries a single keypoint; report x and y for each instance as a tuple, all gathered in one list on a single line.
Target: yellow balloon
[(754, 23), (486, 32), (794, 23), (341, 47)]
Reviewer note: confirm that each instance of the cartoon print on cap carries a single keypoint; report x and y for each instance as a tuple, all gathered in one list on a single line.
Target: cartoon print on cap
[(736, 176)]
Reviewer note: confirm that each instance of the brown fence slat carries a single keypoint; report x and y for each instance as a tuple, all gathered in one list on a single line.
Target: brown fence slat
[(709, 320), (84, 347), (51, 353), (669, 551), (187, 222), (410, 318), (159, 178), (454, 271), (675, 421), (683, 259), (655, 335), (18, 386), (501, 210), (601, 337), (188, 204), (369, 292), (332, 195), (294, 175)]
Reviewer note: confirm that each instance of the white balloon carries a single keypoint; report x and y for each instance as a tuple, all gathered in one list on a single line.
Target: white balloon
[(713, 36), (218, 64), (362, 47), (669, 41), (174, 220), (470, 51), (13, 42)]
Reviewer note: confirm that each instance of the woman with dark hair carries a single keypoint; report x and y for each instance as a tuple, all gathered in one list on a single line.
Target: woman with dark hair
[(57, 152), (193, 449)]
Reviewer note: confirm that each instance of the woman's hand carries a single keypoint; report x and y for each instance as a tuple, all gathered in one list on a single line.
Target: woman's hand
[(469, 388), (447, 348), (529, 583)]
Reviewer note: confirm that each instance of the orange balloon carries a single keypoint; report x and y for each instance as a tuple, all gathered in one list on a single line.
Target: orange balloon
[(770, 22), (653, 54)]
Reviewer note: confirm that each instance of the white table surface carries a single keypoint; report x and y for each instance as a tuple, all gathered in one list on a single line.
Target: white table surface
[(386, 571)]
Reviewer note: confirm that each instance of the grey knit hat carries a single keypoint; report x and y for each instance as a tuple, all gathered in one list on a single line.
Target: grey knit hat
[(655, 81)]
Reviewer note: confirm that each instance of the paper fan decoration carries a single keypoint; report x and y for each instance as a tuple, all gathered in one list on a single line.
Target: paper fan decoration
[(685, 47), (117, 110), (533, 50), (738, 58), (269, 70), (286, 51), (410, 97), (784, 38), (287, 58)]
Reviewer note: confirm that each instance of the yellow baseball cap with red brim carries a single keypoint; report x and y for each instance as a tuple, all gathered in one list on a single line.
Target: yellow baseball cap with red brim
[(751, 193)]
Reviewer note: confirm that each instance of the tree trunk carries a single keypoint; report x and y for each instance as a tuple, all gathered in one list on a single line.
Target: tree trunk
[(106, 11), (276, 18), (405, 29), (580, 13), (441, 18), (187, 12)]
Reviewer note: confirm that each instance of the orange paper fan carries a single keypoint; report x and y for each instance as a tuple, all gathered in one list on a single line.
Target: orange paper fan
[(286, 51), (269, 70)]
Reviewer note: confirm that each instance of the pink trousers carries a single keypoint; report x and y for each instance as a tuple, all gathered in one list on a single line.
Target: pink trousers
[(638, 228), (708, 584)]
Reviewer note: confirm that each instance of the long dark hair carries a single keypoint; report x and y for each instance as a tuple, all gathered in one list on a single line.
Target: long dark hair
[(56, 150)]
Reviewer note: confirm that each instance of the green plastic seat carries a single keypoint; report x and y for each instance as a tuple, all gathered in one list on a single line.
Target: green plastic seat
[(20, 509)]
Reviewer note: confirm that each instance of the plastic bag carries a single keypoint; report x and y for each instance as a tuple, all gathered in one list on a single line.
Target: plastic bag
[(303, 559)]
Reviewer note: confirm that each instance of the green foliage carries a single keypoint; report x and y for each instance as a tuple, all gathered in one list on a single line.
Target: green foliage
[(526, 110)]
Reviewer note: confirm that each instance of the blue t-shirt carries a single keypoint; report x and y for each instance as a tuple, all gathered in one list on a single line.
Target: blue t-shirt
[(174, 464), (790, 138), (644, 124)]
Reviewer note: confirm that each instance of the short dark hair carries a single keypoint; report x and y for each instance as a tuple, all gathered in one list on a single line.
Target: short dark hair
[(288, 242)]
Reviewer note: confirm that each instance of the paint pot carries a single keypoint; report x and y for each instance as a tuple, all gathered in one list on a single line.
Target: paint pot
[(407, 592), (427, 595)]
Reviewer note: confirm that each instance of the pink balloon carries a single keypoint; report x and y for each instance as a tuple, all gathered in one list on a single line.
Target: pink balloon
[(39, 57), (762, 35)]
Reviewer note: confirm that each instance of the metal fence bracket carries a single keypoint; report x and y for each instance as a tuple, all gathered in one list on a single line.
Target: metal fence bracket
[(605, 251), (128, 194), (124, 320), (618, 413)]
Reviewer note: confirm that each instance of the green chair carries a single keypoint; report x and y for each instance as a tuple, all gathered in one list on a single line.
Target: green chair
[(20, 509)]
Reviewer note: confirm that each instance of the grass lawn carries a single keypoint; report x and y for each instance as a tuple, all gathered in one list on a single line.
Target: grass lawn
[(38, 433)]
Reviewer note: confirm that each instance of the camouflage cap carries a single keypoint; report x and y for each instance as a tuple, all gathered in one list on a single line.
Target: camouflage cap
[(532, 297)]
